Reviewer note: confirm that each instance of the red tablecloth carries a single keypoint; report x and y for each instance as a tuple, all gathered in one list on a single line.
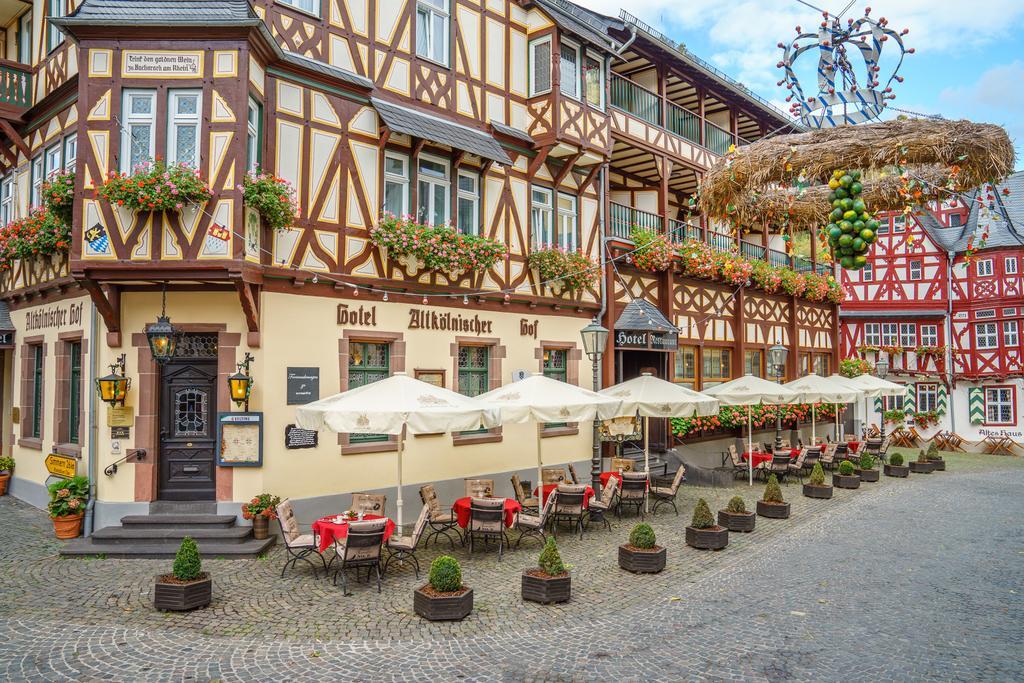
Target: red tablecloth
[(758, 457), (330, 532), (853, 446), (461, 508), (548, 488), (794, 453), (605, 476)]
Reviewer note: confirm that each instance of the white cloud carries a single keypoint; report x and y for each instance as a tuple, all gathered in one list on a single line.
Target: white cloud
[(995, 98)]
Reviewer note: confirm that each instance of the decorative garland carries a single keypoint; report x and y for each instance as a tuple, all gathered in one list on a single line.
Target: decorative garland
[(734, 417), (573, 269), (440, 248), (156, 187), (273, 197)]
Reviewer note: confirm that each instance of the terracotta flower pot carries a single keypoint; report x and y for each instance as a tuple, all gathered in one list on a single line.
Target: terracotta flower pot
[(68, 526), (737, 521), (440, 607), (641, 561), (712, 538), (4, 478), (260, 527)]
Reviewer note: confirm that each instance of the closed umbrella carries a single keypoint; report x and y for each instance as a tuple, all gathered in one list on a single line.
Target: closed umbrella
[(397, 405), (653, 397), (751, 391), (816, 389), (548, 400)]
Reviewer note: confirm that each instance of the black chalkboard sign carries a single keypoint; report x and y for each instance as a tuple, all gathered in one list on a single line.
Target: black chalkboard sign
[(296, 437), (303, 385)]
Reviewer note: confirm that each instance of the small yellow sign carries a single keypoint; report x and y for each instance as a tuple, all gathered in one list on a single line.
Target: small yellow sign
[(15, 415), (120, 416), (61, 465)]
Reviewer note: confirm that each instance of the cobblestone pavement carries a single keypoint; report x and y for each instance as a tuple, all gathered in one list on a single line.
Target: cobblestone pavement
[(902, 580)]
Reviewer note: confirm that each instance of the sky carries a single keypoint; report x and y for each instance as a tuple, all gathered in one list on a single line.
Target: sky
[(967, 61)]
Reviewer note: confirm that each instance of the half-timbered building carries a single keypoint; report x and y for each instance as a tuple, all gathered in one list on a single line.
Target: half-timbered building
[(535, 123)]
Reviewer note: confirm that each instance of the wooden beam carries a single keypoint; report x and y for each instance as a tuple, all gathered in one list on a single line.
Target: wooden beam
[(538, 161), (18, 141), (108, 305), (250, 309), (384, 137), (590, 177), (566, 168)]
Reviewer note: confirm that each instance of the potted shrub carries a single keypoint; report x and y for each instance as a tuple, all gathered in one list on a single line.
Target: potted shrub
[(895, 467), (67, 505), (845, 478), (261, 510), (735, 516), (187, 586), (816, 486), (703, 533), (771, 504), (922, 465), (272, 197), (443, 597), (642, 555), (868, 470), (6, 469), (549, 581), (933, 457)]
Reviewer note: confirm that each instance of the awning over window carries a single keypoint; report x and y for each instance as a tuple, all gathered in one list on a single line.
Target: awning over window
[(403, 119)]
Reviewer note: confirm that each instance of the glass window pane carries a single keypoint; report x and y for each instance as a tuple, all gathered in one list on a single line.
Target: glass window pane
[(141, 136), (187, 104), (467, 216), (440, 215), (433, 168), (569, 82), (440, 39), (394, 198), (467, 183), (141, 104), (541, 67), (185, 147), (422, 33), (394, 166)]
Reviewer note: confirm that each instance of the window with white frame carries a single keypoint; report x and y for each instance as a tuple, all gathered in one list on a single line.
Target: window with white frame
[(892, 402), (890, 334), (986, 336), (593, 79), (70, 152), (929, 335), (1010, 265), (25, 38), (37, 182), (542, 216), (432, 30), (138, 124), (7, 199), (984, 267), (396, 184), (433, 187), (1010, 336), (53, 159), (883, 226), (468, 196), (310, 6), (253, 148), (569, 69), (867, 273), (54, 36), (568, 222), (999, 406), (915, 270), (908, 335), (540, 66), (872, 334), (899, 223), (184, 109), (927, 397)]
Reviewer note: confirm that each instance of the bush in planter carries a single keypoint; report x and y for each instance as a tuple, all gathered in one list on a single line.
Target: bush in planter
[(772, 491), (642, 554), (846, 468), (445, 574), (703, 533), (272, 197), (642, 536), (846, 476), (187, 586), (896, 459), (736, 506), (772, 504), (444, 598), (549, 581), (816, 486), (933, 451), (156, 187), (702, 518), (817, 477), (67, 505), (187, 563), (550, 561), (867, 461), (735, 516), (922, 456)]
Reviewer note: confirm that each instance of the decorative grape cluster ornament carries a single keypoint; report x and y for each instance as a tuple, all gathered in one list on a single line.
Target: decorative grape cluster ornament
[(852, 229)]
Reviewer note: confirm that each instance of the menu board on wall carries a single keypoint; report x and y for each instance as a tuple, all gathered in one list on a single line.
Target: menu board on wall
[(240, 439)]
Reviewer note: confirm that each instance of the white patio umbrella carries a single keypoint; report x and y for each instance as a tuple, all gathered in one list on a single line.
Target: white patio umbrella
[(876, 387), (398, 405), (845, 381), (653, 397), (548, 400), (815, 389), (751, 391)]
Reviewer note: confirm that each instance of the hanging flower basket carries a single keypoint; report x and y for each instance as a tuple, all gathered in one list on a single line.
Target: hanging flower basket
[(562, 269), (272, 197), (58, 194)]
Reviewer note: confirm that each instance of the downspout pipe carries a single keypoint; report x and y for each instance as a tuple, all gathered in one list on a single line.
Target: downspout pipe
[(949, 340), (92, 468)]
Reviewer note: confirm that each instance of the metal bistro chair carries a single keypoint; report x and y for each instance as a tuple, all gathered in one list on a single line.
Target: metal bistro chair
[(634, 492), (667, 495), (522, 496), (362, 548), (487, 519), (369, 503), (298, 545), (533, 525), (441, 523), (568, 507), (404, 547), (572, 473), (552, 475), (828, 454), (779, 465), (798, 466), (739, 467), (479, 488), (606, 503)]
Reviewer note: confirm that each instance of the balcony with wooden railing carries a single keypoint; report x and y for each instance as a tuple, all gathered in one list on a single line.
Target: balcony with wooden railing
[(15, 85)]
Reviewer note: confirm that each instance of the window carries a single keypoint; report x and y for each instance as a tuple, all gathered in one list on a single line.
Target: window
[(867, 272), (985, 267), (434, 189), (53, 159), (999, 406), (753, 363), (872, 335), (396, 184), (138, 118), (892, 402), (25, 38), (985, 336), (899, 223), (822, 364), (890, 334), (36, 426), (955, 220), (70, 152), (569, 75), (432, 30), (927, 397), (556, 364), (1010, 336), (908, 335), (473, 379), (367, 363), (74, 392), (54, 36), (254, 122), (805, 363), (37, 182), (310, 6), (542, 216), (717, 366), (1010, 265), (686, 366), (915, 270), (567, 221), (468, 203), (540, 66), (7, 199), (883, 226), (593, 80), (929, 335), (184, 109)]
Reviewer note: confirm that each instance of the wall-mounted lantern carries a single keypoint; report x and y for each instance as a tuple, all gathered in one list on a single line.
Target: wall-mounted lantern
[(240, 383), (162, 335), (113, 388)]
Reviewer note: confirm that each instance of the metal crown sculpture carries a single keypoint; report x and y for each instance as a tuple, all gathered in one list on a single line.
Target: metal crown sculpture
[(841, 98)]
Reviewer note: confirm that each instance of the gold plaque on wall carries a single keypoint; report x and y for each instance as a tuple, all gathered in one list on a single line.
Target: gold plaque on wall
[(120, 416), (15, 415)]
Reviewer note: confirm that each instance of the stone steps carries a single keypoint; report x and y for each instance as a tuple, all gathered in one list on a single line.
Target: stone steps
[(211, 550)]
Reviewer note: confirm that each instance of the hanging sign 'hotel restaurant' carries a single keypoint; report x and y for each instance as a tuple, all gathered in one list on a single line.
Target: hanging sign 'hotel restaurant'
[(646, 339)]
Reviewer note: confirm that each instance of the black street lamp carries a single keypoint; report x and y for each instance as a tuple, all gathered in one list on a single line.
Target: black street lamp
[(881, 370), (240, 383), (113, 388), (777, 362), (162, 335), (595, 339)]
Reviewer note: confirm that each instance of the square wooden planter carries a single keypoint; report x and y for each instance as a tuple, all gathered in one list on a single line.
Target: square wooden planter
[(737, 521), (869, 475), (814, 491), (940, 464), (642, 561), (773, 510), (921, 467), (181, 597), (846, 481), (714, 538), (546, 589), (901, 471), (442, 607)]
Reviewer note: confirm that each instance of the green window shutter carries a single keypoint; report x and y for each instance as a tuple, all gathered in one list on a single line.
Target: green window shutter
[(910, 402), (976, 405), (878, 404), (941, 400)]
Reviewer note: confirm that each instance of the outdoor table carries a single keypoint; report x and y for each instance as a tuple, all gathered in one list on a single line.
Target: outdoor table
[(548, 488), (998, 445), (854, 446), (901, 437), (794, 453), (330, 532), (462, 511), (605, 476), (758, 457)]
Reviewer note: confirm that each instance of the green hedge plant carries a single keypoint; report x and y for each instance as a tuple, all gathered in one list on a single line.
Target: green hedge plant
[(817, 475), (642, 536), (896, 459), (772, 491), (187, 563), (933, 451), (445, 574), (6, 464), (867, 461), (702, 518), (846, 468), (550, 561), (922, 456), (736, 506)]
